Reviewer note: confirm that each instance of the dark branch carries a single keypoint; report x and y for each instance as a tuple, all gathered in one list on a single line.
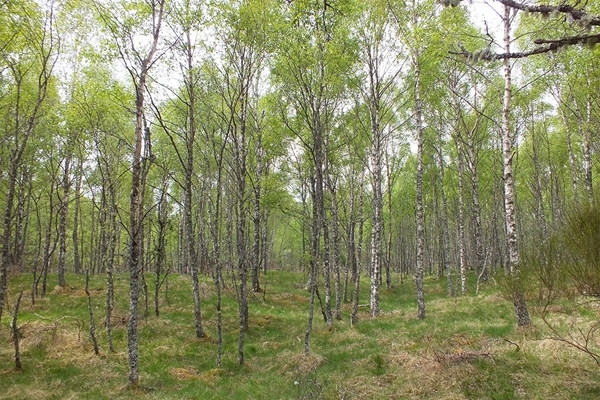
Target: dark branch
[(576, 13), (546, 46)]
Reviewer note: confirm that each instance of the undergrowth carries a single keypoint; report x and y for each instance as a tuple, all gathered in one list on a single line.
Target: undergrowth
[(466, 348)]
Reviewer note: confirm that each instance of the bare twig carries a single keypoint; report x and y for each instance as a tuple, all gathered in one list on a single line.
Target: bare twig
[(513, 343)]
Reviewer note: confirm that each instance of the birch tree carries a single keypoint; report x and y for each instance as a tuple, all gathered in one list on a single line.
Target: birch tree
[(311, 79), (508, 137), (122, 22), (29, 57), (381, 70)]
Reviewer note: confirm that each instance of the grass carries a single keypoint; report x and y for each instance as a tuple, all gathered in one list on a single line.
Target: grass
[(466, 348)]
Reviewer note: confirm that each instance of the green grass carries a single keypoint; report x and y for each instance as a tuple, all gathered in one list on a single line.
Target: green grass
[(466, 348)]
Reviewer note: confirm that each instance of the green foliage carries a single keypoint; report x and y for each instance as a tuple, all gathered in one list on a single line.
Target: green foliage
[(567, 262), (581, 238), (544, 270), (393, 355)]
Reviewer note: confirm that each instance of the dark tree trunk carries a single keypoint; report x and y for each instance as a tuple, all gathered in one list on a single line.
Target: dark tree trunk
[(62, 224), (15, 332), (77, 267)]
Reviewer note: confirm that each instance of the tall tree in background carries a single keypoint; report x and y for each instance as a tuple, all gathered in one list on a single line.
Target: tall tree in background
[(187, 17), (244, 35), (381, 69), (412, 21), (122, 24), (311, 71), (508, 137), (29, 52)]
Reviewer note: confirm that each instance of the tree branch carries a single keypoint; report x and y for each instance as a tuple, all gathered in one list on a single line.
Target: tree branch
[(576, 13), (546, 46)]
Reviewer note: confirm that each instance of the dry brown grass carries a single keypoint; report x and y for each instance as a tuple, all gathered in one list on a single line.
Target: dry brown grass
[(185, 373), (294, 364), (262, 321), (288, 299), (351, 335), (63, 290), (29, 393), (210, 377)]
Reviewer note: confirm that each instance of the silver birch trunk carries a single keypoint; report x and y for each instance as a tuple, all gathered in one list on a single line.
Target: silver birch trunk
[(357, 253), (322, 179), (256, 248), (390, 231), (107, 242), (376, 229), (240, 175), (76, 220), (22, 216), (375, 92), (15, 332), (136, 201), (349, 267), (587, 151), (62, 226), (420, 212), (521, 310), (336, 250), (314, 252), (327, 271), (572, 161), (190, 238), (473, 162), (444, 234), (462, 258), (214, 213), (537, 184), (160, 247)]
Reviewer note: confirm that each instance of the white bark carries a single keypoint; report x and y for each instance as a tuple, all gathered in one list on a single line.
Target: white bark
[(509, 187), (462, 258), (420, 212)]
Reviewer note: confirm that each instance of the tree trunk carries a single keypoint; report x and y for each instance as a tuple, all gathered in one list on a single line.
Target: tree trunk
[(62, 224), (190, 238), (336, 249), (257, 214), (23, 129), (420, 211), (136, 201), (572, 161), (376, 154), (357, 254), (462, 243), (444, 230), (587, 151), (92, 329), (376, 229), (77, 267), (509, 193), (15, 332), (22, 216), (473, 162), (315, 240)]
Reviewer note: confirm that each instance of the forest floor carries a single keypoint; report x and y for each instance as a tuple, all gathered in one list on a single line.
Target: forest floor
[(467, 347)]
